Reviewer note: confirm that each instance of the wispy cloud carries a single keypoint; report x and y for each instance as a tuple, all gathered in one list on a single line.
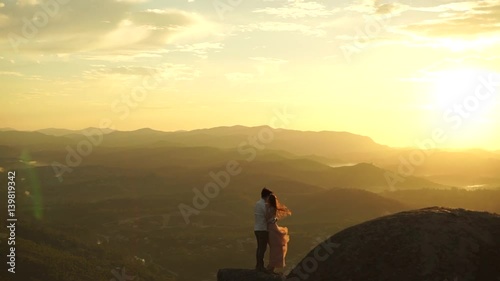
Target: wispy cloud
[(273, 26), (460, 19), (10, 73), (298, 9), (167, 71), (200, 49), (97, 26)]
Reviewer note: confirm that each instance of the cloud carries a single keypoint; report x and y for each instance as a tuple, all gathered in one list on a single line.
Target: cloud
[(200, 49), (160, 19), (267, 60), (95, 26), (377, 7), (125, 72), (125, 56), (391, 8), (128, 70), (273, 26), (10, 73), (362, 6), (298, 9), (449, 7), (27, 2), (464, 19)]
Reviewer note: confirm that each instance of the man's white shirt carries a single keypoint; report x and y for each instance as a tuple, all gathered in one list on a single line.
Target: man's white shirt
[(260, 216)]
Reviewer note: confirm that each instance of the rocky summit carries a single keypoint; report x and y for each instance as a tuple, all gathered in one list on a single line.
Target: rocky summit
[(235, 274), (431, 244)]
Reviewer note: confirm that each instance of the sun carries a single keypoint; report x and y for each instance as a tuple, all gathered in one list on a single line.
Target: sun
[(464, 105), (453, 85)]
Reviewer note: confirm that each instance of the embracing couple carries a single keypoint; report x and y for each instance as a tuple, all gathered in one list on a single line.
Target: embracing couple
[(268, 210)]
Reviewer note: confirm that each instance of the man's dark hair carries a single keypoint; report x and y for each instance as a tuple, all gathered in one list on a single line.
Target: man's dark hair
[(265, 192)]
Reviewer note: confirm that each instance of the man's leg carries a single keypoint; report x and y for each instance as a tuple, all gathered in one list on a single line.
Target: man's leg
[(262, 240)]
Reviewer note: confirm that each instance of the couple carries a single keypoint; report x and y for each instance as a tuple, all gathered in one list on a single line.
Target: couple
[(268, 211)]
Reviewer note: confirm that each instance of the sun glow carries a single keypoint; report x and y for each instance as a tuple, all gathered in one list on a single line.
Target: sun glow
[(453, 85), (464, 100), (460, 45)]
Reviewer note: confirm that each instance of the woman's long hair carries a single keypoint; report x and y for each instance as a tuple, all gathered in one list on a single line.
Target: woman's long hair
[(281, 210)]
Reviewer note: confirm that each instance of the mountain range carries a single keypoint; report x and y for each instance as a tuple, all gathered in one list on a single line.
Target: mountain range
[(125, 194), (465, 169)]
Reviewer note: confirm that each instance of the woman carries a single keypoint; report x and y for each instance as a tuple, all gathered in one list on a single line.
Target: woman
[(278, 236)]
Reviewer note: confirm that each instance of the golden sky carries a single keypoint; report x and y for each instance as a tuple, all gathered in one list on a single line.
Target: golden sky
[(396, 71)]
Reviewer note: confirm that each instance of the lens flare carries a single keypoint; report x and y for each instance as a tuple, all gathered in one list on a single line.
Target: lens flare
[(34, 184)]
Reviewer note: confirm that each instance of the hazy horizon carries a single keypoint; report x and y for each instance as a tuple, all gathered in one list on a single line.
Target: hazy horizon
[(494, 149), (392, 70)]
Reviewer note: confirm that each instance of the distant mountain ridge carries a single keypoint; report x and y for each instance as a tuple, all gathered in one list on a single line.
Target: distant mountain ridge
[(27, 139), (448, 168), (324, 143), (208, 149), (63, 132)]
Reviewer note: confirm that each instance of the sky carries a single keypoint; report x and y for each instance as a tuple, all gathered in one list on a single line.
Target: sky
[(400, 72)]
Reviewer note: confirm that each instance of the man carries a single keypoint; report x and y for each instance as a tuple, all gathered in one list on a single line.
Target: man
[(260, 228)]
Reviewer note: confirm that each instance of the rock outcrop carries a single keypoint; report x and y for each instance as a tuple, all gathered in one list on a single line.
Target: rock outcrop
[(432, 244)]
